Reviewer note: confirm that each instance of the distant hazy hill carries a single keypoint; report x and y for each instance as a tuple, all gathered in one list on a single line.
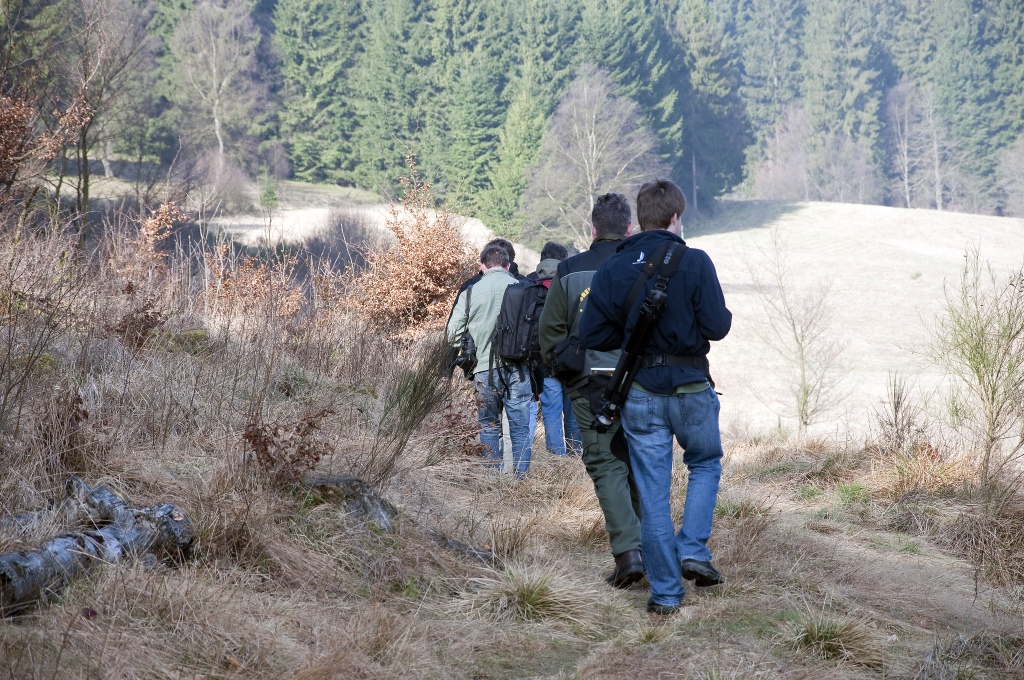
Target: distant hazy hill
[(889, 266)]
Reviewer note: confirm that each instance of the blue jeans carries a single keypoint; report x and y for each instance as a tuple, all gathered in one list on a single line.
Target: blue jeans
[(650, 421), (502, 389), (554, 404)]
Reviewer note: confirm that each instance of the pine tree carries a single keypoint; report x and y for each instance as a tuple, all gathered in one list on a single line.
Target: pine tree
[(468, 56), (714, 129), (769, 34), (386, 85), (631, 41), (518, 149), (318, 43), (979, 75), (841, 88)]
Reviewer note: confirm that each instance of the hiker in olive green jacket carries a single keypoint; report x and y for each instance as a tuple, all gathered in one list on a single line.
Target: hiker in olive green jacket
[(606, 456), (497, 388)]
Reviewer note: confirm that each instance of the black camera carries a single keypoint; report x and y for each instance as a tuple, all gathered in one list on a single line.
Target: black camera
[(464, 356)]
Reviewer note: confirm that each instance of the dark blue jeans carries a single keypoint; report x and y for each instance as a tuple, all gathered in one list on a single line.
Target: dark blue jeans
[(650, 422), (503, 389)]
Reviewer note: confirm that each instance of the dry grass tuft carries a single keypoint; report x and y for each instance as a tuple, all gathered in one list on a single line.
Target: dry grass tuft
[(510, 536), (743, 535), (531, 593), (992, 539), (923, 469), (970, 655), (836, 638)]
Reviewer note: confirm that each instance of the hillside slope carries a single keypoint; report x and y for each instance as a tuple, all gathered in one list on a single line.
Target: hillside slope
[(888, 268)]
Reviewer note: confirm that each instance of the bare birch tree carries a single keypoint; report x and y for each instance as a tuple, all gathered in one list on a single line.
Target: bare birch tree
[(214, 50), (597, 142), (799, 328)]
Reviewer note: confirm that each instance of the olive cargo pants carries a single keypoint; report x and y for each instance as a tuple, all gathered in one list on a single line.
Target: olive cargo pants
[(606, 457)]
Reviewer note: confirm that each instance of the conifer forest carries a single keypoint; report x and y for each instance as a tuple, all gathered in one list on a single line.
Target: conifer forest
[(518, 111)]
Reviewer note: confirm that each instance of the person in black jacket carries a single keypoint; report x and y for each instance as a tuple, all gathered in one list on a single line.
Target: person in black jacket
[(606, 455), (672, 395)]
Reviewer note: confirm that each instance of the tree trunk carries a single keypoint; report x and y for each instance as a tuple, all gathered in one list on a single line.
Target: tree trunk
[(27, 576)]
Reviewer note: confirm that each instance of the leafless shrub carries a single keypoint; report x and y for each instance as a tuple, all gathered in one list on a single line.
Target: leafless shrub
[(979, 341), (349, 240), (898, 423), (798, 327), (992, 542), (138, 324), (39, 299)]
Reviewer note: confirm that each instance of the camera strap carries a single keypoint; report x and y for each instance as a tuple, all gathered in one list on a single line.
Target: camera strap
[(665, 262), (469, 300)]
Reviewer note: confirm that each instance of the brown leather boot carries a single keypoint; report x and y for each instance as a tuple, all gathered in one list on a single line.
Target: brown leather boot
[(629, 568)]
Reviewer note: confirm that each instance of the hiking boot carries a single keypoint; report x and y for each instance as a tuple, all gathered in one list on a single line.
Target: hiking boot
[(702, 574), (661, 609), (629, 568)]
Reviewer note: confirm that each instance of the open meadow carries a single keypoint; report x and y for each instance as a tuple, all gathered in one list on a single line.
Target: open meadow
[(868, 542)]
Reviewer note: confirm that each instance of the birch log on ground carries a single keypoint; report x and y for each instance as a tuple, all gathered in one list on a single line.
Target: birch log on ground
[(118, 531)]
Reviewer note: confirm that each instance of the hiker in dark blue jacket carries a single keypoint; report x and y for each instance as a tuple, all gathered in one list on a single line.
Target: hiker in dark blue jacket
[(672, 394)]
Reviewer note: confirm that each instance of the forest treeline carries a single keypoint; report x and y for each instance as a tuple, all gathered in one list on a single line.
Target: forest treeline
[(520, 110)]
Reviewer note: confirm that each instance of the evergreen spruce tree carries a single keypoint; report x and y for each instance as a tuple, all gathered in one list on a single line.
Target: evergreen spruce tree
[(632, 42), (979, 76), (468, 55), (841, 88), (768, 35), (714, 127), (546, 33), (318, 42), (518, 149), (386, 85)]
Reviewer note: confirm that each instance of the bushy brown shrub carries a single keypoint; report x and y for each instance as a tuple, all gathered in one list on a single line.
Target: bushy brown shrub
[(288, 450), (412, 286)]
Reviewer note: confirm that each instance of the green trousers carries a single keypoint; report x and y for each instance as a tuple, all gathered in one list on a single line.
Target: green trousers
[(606, 458)]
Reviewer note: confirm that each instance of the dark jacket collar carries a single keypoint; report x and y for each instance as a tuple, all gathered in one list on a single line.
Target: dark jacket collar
[(648, 239)]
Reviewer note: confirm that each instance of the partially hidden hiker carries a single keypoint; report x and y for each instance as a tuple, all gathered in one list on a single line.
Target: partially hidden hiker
[(498, 390), (515, 349), (561, 432), (584, 374), (672, 395)]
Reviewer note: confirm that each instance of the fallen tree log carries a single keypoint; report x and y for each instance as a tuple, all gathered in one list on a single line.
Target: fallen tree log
[(117, 531)]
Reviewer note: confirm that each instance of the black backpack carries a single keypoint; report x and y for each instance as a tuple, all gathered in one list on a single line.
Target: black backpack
[(516, 336)]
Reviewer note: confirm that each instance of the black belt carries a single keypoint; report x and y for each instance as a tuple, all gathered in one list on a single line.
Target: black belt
[(652, 360)]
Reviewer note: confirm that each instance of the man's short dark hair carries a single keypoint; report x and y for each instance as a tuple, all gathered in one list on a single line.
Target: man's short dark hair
[(504, 245), (611, 215), (657, 203), (554, 251), (494, 256)]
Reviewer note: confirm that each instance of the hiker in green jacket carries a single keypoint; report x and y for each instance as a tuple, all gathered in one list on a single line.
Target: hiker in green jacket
[(498, 388)]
